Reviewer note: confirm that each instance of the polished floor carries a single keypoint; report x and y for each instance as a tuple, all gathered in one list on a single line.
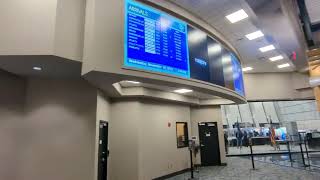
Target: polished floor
[(267, 149), (239, 168), (311, 160)]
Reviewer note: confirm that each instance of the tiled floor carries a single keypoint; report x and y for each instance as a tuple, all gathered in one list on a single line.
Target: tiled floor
[(240, 169), (313, 162)]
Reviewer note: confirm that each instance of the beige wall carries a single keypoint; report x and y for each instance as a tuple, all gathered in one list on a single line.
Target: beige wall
[(141, 143), (59, 130), (47, 129), (158, 152), (208, 114), (273, 86), (27, 27), (144, 146), (103, 107), (123, 135), (37, 27), (12, 91), (69, 29), (103, 36)]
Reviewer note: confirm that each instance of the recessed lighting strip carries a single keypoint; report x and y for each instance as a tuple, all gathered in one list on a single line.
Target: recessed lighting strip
[(276, 58), (237, 16), (254, 35), (267, 48), (133, 82), (37, 68), (182, 91), (247, 69), (283, 65)]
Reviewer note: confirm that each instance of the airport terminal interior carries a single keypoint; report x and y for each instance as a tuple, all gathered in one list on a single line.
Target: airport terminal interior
[(160, 89)]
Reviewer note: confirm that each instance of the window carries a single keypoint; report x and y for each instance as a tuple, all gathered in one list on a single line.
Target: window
[(182, 134)]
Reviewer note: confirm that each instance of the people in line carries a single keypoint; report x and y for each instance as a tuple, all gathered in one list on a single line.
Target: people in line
[(240, 137)]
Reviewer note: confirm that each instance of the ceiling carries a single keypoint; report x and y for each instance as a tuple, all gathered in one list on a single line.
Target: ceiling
[(313, 7), (52, 66), (264, 15)]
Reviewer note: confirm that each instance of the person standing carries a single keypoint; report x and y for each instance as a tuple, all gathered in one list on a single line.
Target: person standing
[(226, 142), (245, 138), (239, 136)]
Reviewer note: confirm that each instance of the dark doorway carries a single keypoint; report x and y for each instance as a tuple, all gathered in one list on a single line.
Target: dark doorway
[(103, 151), (209, 144)]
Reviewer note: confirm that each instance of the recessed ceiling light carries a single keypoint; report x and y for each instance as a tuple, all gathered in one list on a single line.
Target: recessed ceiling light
[(267, 48), (237, 16), (283, 65), (254, 35), (247, 69), (37, 68), (182, 91), (133, 82), (276, 58)]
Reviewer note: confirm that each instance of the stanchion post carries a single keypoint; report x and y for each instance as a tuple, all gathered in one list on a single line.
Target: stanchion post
[(191, 164), (302, 155), (305, 145), (289, 151), (251, 154)]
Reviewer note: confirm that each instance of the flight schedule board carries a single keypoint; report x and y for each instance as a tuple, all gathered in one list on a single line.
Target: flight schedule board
[(155, 41)]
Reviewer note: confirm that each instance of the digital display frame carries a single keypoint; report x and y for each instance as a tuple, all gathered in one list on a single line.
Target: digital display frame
[(157, 42)]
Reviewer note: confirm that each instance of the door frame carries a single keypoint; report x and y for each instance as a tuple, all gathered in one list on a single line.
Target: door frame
[(101, 153), (216, 124)]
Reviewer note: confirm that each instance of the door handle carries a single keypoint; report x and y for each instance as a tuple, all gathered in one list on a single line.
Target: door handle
[(202, 145)]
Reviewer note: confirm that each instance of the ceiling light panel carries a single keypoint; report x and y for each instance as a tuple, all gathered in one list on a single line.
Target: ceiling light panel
[(276, 58), (267, 48), (132, 82), (283, 65), (182, 91), (37, 68), (247, 69), (254, 35), (237, 16)]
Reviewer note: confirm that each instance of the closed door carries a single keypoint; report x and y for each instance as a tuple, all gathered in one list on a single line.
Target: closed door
[(209, 144), (103, 151)]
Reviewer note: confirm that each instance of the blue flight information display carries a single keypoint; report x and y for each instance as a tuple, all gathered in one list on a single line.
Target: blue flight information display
[(155, 41), (237, 75)]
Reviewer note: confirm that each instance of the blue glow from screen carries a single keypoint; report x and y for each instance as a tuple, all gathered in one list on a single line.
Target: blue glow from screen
[(200, 62), (237, 75), (155, 41)]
